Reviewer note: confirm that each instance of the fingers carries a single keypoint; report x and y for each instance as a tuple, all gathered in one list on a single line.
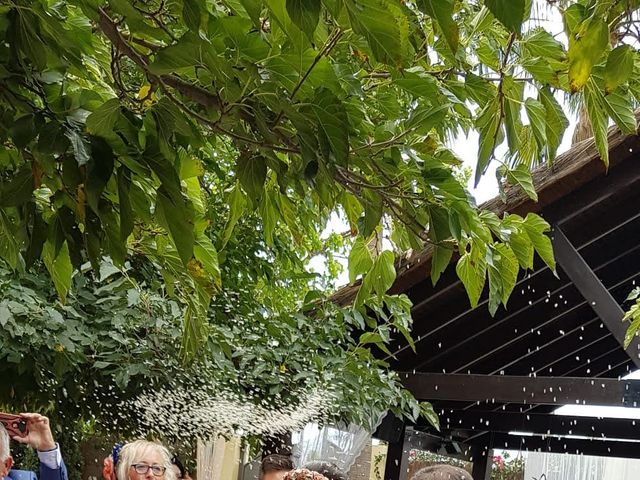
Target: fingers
[(34, 417), (24, 440)]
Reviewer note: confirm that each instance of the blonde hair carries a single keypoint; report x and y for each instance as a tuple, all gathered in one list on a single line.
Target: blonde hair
[(132, 452), (4, 444)]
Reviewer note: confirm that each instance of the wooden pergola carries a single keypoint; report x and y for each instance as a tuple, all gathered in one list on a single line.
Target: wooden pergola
[(560, 342)]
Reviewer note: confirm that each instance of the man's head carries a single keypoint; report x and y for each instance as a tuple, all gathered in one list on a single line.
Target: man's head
[(441, 472), (329, 470), (274, 467), (6, 462)]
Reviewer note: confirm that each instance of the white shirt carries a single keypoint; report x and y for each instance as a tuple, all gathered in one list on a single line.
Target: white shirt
[(51, 458)]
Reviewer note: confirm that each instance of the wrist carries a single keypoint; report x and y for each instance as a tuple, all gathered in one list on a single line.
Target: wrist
[(47, 446)]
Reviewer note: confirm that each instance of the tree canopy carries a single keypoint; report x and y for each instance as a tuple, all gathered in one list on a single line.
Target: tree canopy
[(209, 142)]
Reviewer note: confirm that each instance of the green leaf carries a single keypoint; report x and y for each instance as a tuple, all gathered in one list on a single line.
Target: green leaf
[(360, 259), (80, 149), (472, 274), (59, 267), (620, 109), (427, 412), (251, 171), (333, 121), (99, 171), (511, 13), (597, 111), (439, 262), (536, 229), (441, 11), (102, 120), (373, 208), (237, 204), (619, 67), (506, 265), (382, 273), (206, 254), (488, 125), (124, 203), (18, 189), (177, 217), (556, 122), (540, 43), (192, 14), (585, 51), (537, 118), (385, 26), (521, 175), (305, 14), (9, 249)]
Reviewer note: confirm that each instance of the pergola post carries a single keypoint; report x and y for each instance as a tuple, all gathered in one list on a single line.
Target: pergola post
[(482, 460), (397, 459)]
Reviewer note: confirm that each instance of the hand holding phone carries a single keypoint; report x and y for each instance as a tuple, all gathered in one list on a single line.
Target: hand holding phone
[(15, 425)]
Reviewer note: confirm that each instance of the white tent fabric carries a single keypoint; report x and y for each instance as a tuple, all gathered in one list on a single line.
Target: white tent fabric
[(339, 445), (555, 466)]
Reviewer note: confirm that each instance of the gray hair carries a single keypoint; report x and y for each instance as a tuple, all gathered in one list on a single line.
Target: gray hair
[(133, 451), (4, 444)]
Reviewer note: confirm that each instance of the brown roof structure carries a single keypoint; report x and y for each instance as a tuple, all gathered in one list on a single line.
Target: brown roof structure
[(558, 342)]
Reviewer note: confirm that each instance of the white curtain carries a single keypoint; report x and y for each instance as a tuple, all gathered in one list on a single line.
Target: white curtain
[(557, 466), (340, 445)]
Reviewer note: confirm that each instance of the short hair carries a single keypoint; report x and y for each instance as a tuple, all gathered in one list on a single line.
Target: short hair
[(275, 463), (441, 472), (304, 474), (4, 444), (131, 453), (328, 469)]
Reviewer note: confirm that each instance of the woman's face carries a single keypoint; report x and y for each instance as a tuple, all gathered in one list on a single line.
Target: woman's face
[(151, 458)]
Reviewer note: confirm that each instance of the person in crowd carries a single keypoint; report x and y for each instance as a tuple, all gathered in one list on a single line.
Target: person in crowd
[(143, 460), (442, 472), (275, 466), (328, 469), (303, 474), (39, 437)]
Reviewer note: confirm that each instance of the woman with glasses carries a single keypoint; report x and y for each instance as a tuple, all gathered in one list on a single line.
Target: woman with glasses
[(143, 460)]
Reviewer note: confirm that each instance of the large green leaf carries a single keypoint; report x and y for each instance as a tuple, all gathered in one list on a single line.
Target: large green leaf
[(439, 262), (488, 125), (100, 169), (543, 44), (102, 120), (360, 259), (619, 67), (536, 228), (58, 264), (585, 50), (305, 14), (521, 175), (556, 122), (620, 109), (441, 11), (9, 249), (177, 218), (251, 171), (597, 111), (472, 275), (333, 122), (537, 118), (382, 273), (18, 189), (511, 13), (237, 204), (385, 26), (192, 13)]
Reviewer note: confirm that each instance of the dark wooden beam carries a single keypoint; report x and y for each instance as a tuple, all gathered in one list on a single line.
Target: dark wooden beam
[(592, 289), (525, 390), (538, 423), (482, 460), (572, 446)]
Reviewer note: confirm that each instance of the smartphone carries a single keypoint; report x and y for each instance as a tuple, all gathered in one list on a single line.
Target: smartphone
[(15, 425)]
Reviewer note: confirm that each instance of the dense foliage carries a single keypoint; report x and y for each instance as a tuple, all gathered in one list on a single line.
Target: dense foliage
[(207, 144)]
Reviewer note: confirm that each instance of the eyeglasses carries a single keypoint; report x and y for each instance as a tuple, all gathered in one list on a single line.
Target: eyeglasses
[(143, 468)]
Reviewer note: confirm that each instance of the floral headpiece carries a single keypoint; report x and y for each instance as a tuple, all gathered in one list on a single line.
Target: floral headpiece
[(304, 474)]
